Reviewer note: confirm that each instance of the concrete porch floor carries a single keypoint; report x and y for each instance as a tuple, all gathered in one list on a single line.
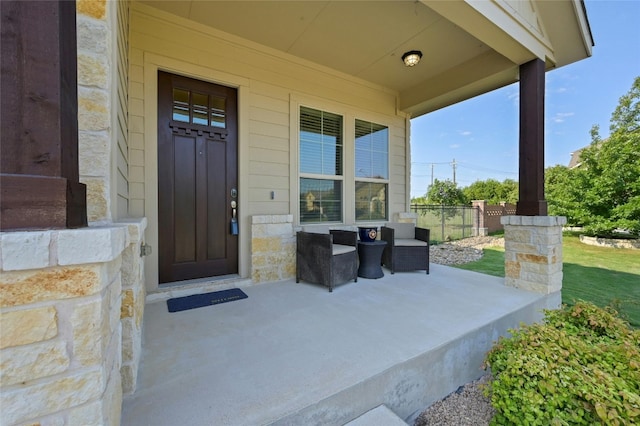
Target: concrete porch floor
[(295, 354)]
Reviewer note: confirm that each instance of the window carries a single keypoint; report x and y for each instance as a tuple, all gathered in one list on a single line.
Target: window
[(198, 108), (371, 170), (320, 162)]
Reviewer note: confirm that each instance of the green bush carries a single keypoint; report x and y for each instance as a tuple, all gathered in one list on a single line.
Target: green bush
[(580, 367)]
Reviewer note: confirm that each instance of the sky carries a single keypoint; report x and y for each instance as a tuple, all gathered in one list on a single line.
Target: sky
[(481, 134)]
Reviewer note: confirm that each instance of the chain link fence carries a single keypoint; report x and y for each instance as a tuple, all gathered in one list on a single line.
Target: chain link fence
[(446, 222)]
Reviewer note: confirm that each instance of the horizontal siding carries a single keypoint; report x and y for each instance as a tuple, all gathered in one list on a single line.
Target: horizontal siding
[(123, 186), (122, 181), (269, 148), (268, 116), (267, 155), (123, 206), (274, 183), (270, 142), (136, 190), (272, 81), (264, 128), (259, 169), (269, 207)]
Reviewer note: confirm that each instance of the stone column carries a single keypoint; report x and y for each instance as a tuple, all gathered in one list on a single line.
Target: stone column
[(97, 129), (273, 248), (479, 227), (533, 252)]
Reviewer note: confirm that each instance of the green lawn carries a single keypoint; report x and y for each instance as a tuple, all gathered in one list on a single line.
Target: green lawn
[(603, 276)]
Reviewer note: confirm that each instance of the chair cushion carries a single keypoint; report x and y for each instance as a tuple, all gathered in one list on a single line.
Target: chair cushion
[(316, 229), (341, 249), (403, 230), (409, 242)]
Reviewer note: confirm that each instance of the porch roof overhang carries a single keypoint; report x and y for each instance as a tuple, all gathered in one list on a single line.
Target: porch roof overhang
[(469, 47)]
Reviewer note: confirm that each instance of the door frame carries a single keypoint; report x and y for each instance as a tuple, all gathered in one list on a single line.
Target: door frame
[(152, 64)]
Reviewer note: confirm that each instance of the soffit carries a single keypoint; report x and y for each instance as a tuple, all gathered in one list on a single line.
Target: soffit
[(362, 39), (366, 39)]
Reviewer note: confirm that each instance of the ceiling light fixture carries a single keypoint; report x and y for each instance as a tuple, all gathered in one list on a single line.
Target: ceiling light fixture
[(412, 58)]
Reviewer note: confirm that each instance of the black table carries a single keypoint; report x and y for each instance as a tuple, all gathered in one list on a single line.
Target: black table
[(370, 254)]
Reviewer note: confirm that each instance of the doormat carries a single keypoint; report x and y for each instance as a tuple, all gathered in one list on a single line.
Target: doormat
[(199, 300)]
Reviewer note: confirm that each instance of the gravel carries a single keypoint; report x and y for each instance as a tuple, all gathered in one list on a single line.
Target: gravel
[(467, 406), (462, 251)]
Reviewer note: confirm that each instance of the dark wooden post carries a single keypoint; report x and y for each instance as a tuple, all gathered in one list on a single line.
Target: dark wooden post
[(531, 174), (39, 177)]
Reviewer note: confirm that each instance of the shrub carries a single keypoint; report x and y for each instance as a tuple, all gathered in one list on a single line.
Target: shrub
[(581, 366)]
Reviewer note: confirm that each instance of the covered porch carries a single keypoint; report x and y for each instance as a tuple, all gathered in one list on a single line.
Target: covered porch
[(297, 354), (79, 224)]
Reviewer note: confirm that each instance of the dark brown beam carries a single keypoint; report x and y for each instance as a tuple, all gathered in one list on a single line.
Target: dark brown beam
[(531, 200), (39, 177)]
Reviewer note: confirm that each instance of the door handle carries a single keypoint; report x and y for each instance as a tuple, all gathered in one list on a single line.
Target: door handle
[(233, 226)]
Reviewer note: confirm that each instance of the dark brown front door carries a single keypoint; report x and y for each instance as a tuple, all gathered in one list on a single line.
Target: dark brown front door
[(197, 178)]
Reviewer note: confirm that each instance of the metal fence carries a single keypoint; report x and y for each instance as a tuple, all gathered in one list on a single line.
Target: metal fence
[(446, 222)]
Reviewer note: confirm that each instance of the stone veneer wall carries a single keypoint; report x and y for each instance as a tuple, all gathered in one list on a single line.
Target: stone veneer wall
[(609, 242), (61, 307), (533, 252), (100, 160), (273, 248), (133, 302)]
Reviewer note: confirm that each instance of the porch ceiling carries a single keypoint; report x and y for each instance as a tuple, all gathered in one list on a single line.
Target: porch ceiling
[(366, 39)]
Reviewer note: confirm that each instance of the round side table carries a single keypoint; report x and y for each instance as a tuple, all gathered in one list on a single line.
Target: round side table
[(370, 254)]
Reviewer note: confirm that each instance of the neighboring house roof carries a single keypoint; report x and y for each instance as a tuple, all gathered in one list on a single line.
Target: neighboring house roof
[(575, 158), (466, 46)]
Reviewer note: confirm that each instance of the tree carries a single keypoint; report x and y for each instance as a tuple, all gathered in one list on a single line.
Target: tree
[(492, 191), (420, 200), (445, 192), (603, 193), (563, 193)]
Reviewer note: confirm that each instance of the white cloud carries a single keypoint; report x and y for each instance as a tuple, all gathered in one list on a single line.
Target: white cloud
[(454, 146), (514, 97), (465, 132), (561, 116)]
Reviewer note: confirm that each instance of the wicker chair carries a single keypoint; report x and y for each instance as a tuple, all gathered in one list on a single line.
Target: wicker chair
[(407, 247), (327, 259)]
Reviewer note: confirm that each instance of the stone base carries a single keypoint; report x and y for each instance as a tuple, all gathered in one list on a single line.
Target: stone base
[(63, 314), (273, 248), (533, 252)]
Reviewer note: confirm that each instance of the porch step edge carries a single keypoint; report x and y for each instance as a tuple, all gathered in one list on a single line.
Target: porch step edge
[(410, 386), (379, 416), (182, 289)]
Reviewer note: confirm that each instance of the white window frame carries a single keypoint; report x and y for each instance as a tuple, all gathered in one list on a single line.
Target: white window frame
[(372, 180), (349, 115), (297, 175)]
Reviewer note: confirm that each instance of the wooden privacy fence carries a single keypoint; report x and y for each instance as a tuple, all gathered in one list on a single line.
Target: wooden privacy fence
[(489, 216)]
